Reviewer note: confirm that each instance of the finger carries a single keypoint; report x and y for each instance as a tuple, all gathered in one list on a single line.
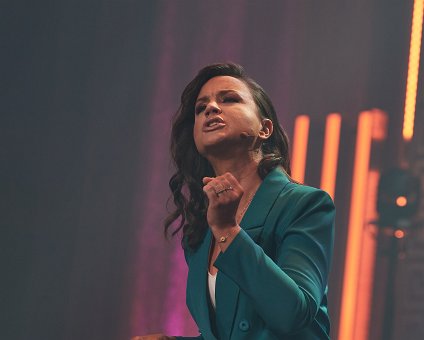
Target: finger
[(233, 182), (210, 191), (222, 192), (206, 180), (224, 186), (214, 183)]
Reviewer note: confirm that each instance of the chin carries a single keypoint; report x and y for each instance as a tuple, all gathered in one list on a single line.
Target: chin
[(212, 142)]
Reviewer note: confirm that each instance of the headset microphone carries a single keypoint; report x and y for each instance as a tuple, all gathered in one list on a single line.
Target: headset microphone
[(245, 135)]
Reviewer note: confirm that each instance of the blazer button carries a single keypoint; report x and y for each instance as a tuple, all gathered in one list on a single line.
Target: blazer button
[(244, 325)]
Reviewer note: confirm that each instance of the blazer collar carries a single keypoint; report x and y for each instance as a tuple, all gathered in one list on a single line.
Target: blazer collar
[(264, 199)]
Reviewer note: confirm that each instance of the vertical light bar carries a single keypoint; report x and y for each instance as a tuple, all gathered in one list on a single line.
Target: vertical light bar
[(367, 262), (369, 243), (300, 147), (355, 227), (330, 153), (413, 69)]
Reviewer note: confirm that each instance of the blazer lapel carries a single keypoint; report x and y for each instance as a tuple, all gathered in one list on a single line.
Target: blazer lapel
[(197, 291), (227, 291), (264, 199), (226, 294)]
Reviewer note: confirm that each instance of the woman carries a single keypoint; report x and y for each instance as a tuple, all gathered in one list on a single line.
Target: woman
[(258, 245)]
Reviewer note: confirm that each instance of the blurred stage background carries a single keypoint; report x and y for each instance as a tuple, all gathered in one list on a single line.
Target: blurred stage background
[(88, 90)]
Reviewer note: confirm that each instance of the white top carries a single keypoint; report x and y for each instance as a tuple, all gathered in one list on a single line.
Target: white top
[(211, 285)]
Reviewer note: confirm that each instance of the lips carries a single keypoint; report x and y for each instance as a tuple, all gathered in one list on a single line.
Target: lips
[(213, 124)]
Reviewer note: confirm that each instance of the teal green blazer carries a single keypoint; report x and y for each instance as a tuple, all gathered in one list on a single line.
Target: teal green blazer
[(272, 279)]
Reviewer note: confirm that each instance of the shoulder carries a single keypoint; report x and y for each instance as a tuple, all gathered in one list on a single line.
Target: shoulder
[(301, 207), (301, 195), (277, 181)]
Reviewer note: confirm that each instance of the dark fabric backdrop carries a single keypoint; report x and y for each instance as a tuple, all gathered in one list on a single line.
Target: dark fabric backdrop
[(88, 89)]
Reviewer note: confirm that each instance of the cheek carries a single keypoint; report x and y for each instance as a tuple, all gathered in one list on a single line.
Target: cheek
[(197, 127), (251, 120)]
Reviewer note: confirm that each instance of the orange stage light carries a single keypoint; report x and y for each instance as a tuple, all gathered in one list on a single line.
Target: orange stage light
[(367, 261), (330, 154), (413, 70), (361, 245), (379, 125), (356, 226), (300, 146), (401, 201), (399, 233)]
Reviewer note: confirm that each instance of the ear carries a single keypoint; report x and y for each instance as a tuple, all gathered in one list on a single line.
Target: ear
[(267, 128)]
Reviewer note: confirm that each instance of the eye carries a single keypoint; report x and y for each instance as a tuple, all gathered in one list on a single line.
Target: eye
[(199, 109), (230, 99)]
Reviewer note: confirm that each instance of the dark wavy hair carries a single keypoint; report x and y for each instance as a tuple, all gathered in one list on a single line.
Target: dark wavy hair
[(186, 183)]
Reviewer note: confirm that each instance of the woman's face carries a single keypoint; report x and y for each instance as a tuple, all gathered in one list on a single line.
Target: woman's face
[(225, 116)]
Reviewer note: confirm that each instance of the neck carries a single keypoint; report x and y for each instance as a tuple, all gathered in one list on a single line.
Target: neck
[(242, 168), (245, 170)]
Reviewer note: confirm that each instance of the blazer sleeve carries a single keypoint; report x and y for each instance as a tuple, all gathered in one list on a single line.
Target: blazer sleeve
[(286, 291)]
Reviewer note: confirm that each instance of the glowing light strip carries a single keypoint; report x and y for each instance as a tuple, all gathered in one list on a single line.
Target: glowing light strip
[(368, 251), (300, 146), (330, 154), (355, 228), (413, 69)]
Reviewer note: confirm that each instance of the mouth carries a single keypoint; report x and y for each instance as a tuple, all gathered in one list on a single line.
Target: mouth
[(213, 124)]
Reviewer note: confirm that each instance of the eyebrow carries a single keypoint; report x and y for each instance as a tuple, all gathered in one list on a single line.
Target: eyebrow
[(220, 93)]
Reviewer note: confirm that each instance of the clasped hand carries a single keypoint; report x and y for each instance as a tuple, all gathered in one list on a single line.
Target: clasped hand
[(224, 194)]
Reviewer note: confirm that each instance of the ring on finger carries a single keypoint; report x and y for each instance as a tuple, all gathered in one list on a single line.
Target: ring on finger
[(218, 192)]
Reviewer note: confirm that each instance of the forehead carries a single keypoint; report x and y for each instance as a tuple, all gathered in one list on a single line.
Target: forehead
[(220, 83)]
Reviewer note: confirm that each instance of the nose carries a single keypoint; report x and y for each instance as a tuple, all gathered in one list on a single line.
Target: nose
[(212, 108)]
